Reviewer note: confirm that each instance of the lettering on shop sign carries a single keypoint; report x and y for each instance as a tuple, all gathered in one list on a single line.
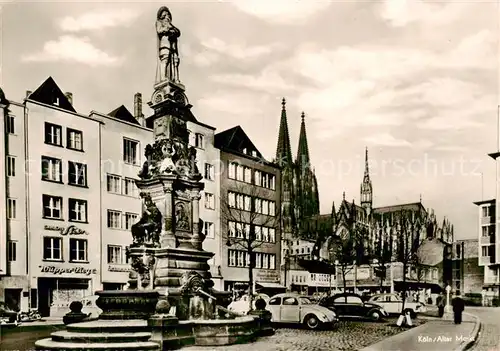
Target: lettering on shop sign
[(70, 230), (118, 269), (268, 276), (69, 270)]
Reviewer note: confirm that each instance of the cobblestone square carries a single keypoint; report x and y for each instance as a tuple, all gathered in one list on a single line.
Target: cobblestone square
[(346, 336)]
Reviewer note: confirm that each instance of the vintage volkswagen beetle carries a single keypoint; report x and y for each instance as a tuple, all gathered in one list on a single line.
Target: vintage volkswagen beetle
[(295, 308)]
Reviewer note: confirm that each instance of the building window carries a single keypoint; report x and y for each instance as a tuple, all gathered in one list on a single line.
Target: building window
[(130, 151), (198, 141), (232, 170), (12, 251), (458, 247), (231, 262), (129, 187), (114, 184), (209, 201), (51, 169), (239, 201), (11, 124), (240, 173), (53, 134), (209, 229), (77, 210), (11, 208), (78, 250), (265, 180), (247, 175), (74, 139), (484, 251), (130, 219), (487, 212), (209, 172), (77, 174), (52, 207), (52, 248), (115, 255), (114, 219), (11, 166), (265, 207)]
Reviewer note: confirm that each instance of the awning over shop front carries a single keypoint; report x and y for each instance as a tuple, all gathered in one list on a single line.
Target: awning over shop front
[(269, 285), (436, 288), (314, 266)]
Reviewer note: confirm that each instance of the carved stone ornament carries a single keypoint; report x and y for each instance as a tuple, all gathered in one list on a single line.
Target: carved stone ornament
[(182, 216), (192, 282), (147, 231)]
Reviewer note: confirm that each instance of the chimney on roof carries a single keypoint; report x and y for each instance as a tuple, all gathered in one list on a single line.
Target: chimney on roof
[(69, 96), (139, 116), (28, 93)]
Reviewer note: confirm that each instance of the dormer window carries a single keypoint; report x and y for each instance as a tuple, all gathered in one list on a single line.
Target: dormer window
[(254, 153), (245, 150)]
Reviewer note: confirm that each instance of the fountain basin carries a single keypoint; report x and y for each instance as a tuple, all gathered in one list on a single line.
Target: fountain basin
[(173, 334), (127, 304)]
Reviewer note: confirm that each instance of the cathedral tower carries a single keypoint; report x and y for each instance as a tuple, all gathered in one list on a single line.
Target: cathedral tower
[(285, 161), (307, 201), (366, 188)]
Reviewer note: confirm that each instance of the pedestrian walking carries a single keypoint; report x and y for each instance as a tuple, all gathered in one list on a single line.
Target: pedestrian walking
[(440, 301), (458, 308)]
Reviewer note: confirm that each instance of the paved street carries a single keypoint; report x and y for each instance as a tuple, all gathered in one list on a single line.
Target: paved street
[(23, 338), (348, 336), (489, 339)]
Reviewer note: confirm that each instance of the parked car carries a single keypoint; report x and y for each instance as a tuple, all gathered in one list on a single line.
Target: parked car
[(294, 308), (349, 305), (241, 305), (7, 315), (393, 304)]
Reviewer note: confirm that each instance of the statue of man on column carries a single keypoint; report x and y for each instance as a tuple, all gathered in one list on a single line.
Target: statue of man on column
[(168, 51)]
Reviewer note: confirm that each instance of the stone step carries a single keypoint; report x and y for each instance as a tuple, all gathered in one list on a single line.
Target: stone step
[(109, 326), (49, 344), (67, 336)]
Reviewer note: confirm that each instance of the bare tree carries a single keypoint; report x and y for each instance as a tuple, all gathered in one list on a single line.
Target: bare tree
[(247, 209), (410, 226)]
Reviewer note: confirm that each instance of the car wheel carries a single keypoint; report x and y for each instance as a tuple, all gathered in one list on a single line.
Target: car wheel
[(375, 316), (312, 322)]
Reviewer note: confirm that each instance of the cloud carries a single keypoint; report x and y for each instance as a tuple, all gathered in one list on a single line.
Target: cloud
[(386, 139), (239, 52), (400, 13), (231, 102), (98, 20), (268, 80), (70, 48), (282, 11)]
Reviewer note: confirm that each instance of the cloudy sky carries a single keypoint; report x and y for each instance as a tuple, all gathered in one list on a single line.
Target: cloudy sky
[(415, 82)]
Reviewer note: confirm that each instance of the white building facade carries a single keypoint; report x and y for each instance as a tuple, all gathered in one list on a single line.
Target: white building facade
[(70, 198)]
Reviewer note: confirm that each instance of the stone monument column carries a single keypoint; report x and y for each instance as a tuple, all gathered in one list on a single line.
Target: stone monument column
[(167, 237), (196, 239)]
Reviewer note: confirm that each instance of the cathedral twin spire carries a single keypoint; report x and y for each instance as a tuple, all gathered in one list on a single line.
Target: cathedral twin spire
[(299, 183), (283, 149)]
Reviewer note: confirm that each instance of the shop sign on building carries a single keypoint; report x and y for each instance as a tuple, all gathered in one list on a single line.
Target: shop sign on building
[(267, 276), (118, 269), (361, 273), (67, 270), (69, 230)]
